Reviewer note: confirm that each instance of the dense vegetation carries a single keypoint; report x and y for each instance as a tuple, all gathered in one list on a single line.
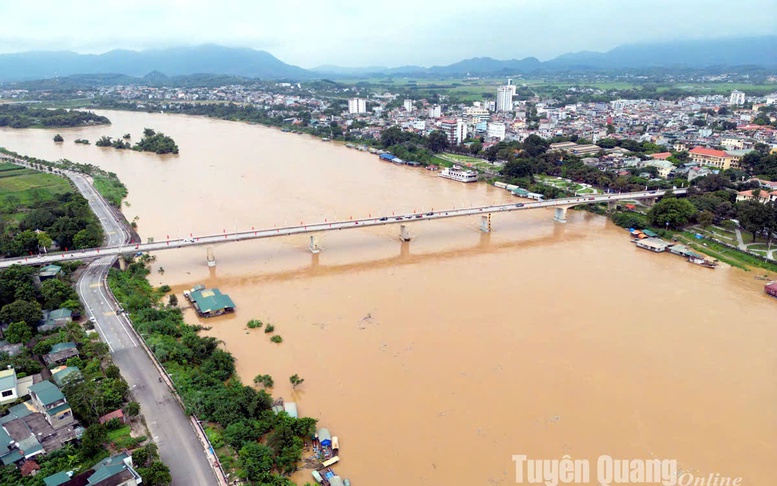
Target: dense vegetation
[(152, 141), (25, 116), (36, 212), (263, 447), (156, 142)]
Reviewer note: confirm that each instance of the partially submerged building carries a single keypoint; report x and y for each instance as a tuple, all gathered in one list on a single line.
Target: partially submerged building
[(209, 302)]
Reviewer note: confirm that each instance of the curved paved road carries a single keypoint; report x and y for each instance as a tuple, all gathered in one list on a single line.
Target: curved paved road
[(171, 429)]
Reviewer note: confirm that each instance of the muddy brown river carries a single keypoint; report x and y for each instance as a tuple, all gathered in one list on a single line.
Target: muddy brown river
[(435, 361)]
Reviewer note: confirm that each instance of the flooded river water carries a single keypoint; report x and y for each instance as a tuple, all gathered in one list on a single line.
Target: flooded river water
[(435, 361)]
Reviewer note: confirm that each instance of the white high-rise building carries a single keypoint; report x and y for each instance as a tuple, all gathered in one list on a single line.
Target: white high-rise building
[(357, 105), (408, 104), (511, 85), (496, 130), (455, 129), (504, 98), (737, 98), (435, 111)]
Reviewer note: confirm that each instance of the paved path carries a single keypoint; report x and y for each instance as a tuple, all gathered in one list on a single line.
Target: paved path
[(178, 444), (740, 242)]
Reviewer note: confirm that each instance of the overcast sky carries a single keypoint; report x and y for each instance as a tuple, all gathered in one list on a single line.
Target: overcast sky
[(309, 33)]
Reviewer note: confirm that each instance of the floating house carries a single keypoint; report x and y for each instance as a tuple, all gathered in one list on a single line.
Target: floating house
[(653, 244), (209, 302)]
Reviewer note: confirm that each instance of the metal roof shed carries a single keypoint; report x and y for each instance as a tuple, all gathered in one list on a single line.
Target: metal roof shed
[(325, 437)]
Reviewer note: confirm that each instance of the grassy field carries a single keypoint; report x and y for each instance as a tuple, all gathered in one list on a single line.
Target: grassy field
[(20, 186), (565, 185)]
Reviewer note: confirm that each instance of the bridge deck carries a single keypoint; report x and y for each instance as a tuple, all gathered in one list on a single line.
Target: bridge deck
[(326, 226)]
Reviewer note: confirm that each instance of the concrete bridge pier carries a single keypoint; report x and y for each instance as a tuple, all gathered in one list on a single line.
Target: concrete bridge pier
[(211, 257), (485, 223), (561, 214), (649, 201), (404, 235), (612, 206), (122, 263), (314, 248)]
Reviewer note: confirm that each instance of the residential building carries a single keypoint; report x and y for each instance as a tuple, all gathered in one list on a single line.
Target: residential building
[(664, 167), (55, 319), (435, 111), (504, 98), (116, 470), (49, 400), (408, 105), (357, 106), (715, 158), (732, 143), (8, 392), (60, 353), (758, 195), (737, 98), (496, 130), (209, 302), (13, 388), (455, 129)]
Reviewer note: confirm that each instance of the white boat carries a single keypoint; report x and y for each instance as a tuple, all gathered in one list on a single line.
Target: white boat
[(458, 174)]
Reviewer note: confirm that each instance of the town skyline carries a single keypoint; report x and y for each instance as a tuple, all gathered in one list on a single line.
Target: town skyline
[(350, 34)]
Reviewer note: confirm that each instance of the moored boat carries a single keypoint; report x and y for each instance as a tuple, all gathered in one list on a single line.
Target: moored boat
[(458, 174), (702, 261)]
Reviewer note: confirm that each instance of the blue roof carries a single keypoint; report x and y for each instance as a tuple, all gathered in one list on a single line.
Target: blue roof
[(56, 479), (387, 156)]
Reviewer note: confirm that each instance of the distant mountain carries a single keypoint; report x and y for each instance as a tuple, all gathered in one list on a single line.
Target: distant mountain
[(753, 51), (207, 59), (163, 65)]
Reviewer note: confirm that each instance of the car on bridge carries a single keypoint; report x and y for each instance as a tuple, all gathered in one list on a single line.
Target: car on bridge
[(519, 205), (383, 219)]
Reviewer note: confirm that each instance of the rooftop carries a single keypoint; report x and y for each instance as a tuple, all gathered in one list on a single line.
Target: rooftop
[(47, 392), (211, 300)]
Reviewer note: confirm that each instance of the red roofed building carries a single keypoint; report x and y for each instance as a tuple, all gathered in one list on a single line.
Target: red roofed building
[(715, 158), (661, 155)]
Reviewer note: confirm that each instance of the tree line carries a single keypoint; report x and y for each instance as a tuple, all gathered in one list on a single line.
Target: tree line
[(25, 116)]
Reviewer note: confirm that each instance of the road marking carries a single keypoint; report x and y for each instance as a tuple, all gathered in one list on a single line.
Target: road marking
[(94, 285), (109, 313)]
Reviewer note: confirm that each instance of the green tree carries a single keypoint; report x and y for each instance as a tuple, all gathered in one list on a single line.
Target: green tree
[(157, 474), (55, 292), (58, 138), (295, 380), (671, 212), (755, 217), (265, 380), (256, 461), (22, 310), (44, 240), (173, 300), (705, 218), (92, 441), (437, 141), (18, 332), (133, 409)]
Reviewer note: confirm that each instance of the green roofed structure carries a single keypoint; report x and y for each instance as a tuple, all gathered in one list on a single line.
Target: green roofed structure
[(209, 302)]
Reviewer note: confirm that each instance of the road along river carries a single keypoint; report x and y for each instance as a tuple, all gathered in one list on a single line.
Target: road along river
[(435, 361)]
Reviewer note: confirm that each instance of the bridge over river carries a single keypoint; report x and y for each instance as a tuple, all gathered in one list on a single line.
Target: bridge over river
[(560, 205)]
